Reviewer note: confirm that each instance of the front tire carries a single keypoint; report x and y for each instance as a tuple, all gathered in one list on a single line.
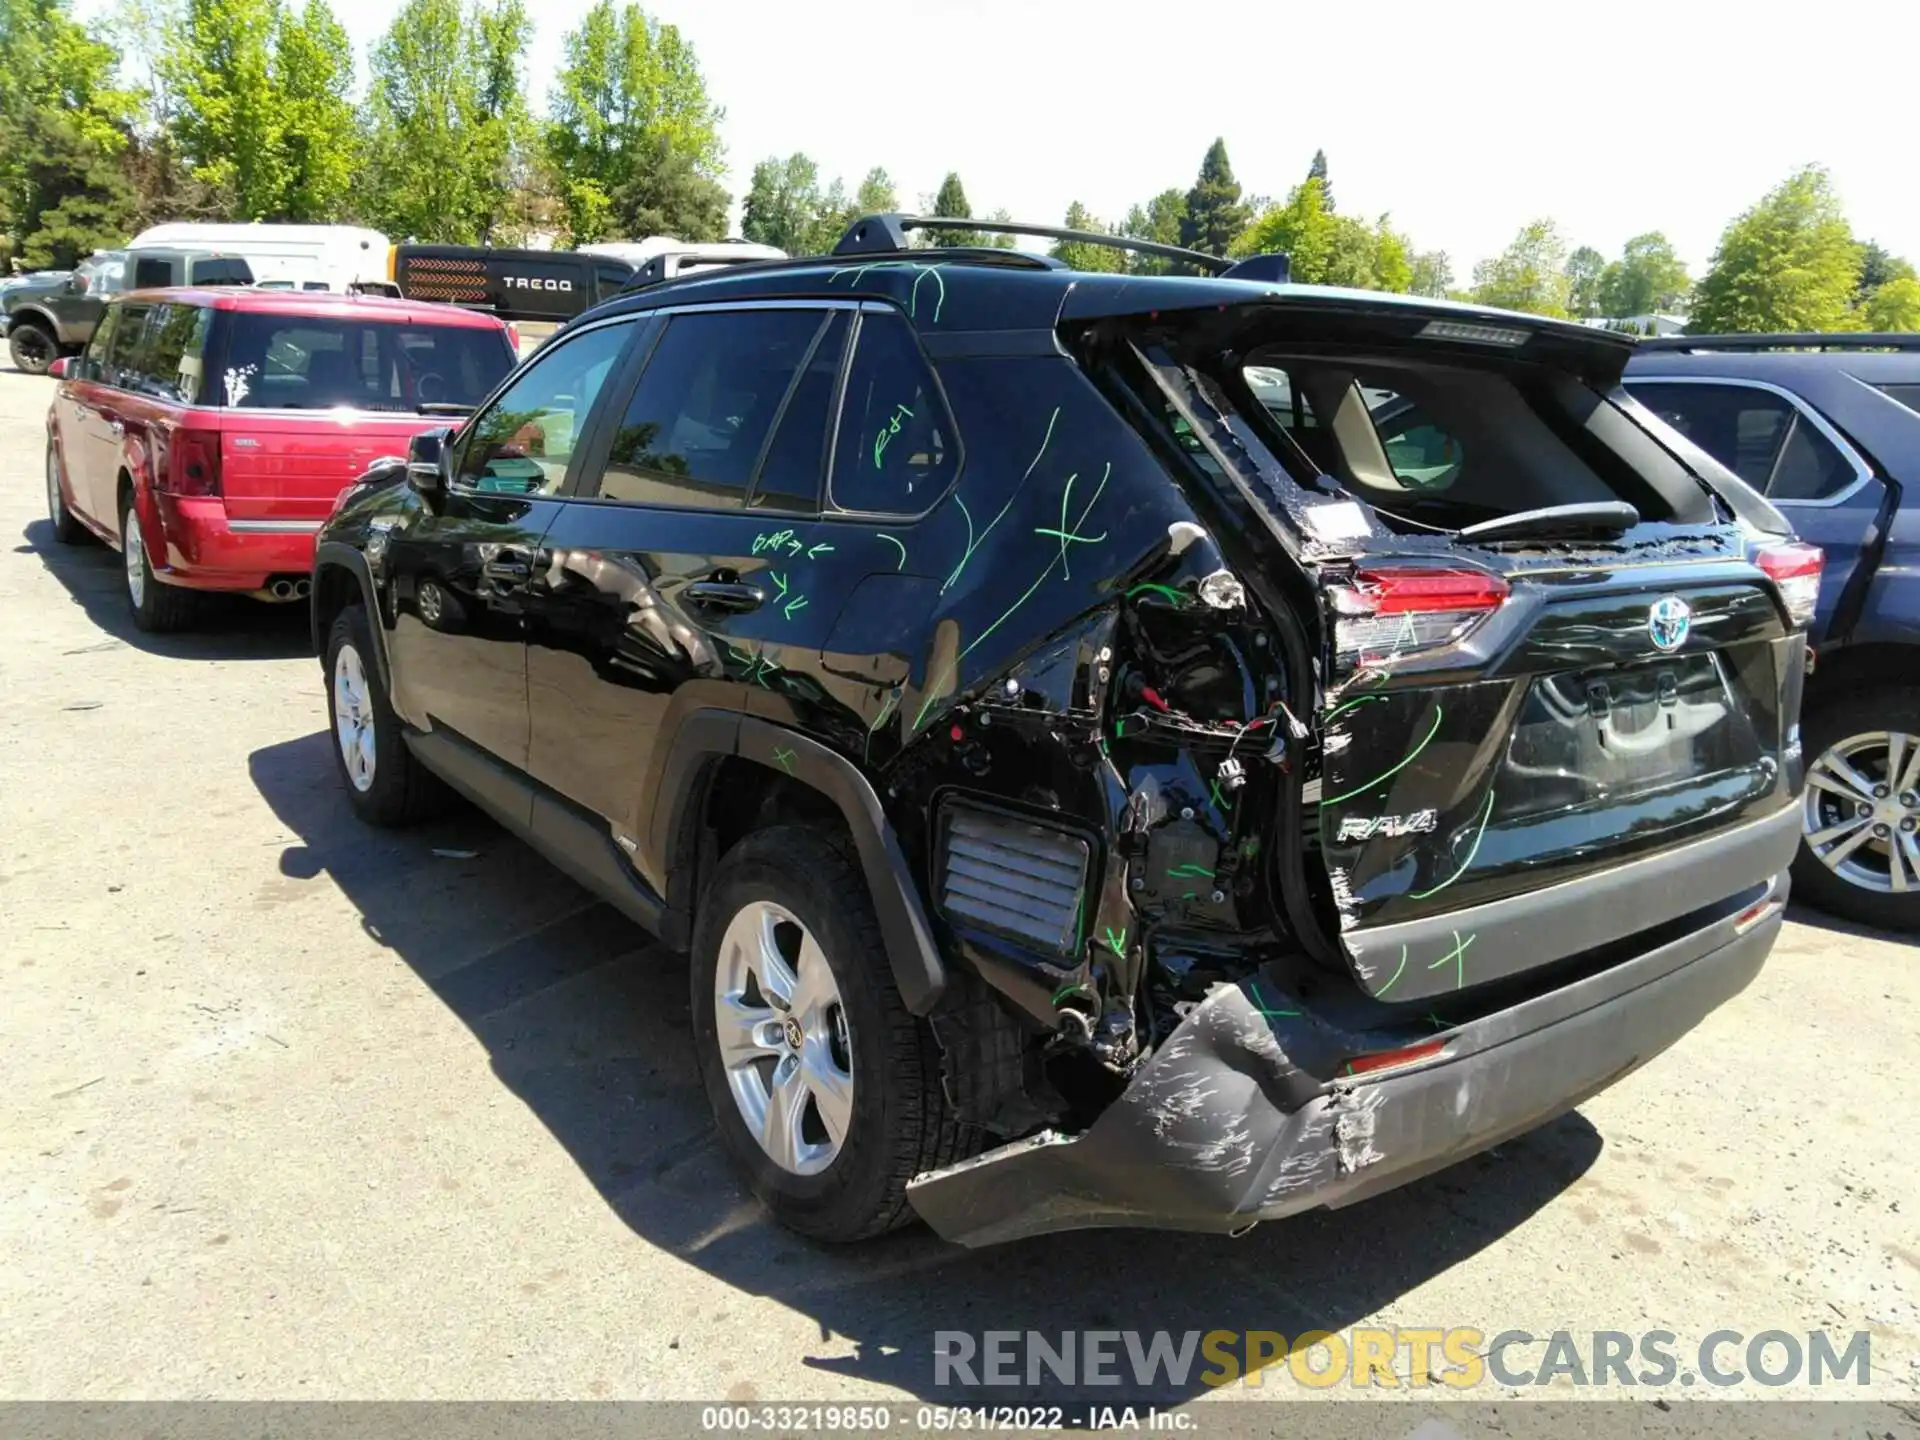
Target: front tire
[(825, 1088), (66, 529), (1860, 852), (385, 784), (32, 347), (157, 608)]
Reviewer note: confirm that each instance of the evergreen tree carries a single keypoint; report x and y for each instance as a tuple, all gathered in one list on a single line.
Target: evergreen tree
[(1215, 215), (1318, 171), (951, 201)]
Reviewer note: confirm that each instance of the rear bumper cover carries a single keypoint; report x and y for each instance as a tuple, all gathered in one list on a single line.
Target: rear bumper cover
[(206, 550), (1211, 1134)]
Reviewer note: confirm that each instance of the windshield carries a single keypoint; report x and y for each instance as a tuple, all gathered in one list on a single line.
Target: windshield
[(317, 362)]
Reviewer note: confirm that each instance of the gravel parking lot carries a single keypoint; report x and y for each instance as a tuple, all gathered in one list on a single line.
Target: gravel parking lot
[(298, 1110)]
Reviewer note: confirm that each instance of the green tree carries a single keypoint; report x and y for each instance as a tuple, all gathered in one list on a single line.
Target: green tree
[(1647, 279), (1530, 274), (1431, 274), (229, 121), (951, 202), (163, 184), (634, 130), (319, 135), (1877, 267), (1894, 305), (446, 120), (1318, 171), (782, 204), (1585, 267), (1303, 229), (1789, 263), (877, 195), (1215, 215), (1080, 255), (64, 127), (1159, 221)]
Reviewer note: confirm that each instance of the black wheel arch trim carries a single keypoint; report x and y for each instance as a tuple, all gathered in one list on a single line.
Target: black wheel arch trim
[(704, 735), (337, 555)]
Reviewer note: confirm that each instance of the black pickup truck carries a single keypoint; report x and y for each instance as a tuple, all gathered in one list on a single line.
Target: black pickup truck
[(40, 324)]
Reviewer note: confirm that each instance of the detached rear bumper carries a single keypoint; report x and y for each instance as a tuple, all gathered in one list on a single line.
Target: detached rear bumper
[(1213, 1134)]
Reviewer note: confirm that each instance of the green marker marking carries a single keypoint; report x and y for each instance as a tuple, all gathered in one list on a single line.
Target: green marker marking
[(1120, 728), (1260, 1004), (799, 602), (1064, 534), (1214, 795), (973, 544), (1117, 943), (1382, 991), (1184, 871), (903, 549), (785, 757), (1340, 710), (1459, 956), (887, 432), (1007, 614), (780, 580), (818, 550), (1479, 835), (1388, 775), (1191, 895), (892, 701), (1166, 590)]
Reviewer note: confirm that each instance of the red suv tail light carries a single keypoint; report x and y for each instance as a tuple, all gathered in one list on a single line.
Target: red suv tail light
[(513, 338), (1795, 568), (1393, 609), (192, 463)]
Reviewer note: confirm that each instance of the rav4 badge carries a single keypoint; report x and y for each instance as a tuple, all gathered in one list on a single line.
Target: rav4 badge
[(1365, 827)]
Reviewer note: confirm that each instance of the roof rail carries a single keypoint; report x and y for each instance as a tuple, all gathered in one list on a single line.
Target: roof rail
[(886, 234), (1811, 340)]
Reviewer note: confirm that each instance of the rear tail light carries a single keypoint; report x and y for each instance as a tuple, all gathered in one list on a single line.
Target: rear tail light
[(513, 336), (1795, 568), (192, 465), (1394, 1059), (1390, 610)]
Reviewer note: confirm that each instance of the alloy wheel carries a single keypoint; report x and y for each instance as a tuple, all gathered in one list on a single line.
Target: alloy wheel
[(782, 1032), (56, 501), (353, 717), (1862, 811), (33, 351), (133, 551)]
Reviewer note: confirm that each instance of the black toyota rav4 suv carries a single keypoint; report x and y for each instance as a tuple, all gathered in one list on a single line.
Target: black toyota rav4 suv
[(1117, 750)]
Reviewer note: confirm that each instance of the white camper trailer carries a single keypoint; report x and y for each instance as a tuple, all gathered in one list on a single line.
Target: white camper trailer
[(285, 257)]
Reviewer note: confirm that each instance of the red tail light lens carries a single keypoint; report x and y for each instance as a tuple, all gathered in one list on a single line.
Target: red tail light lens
[(513, 336), (192, 463), (1795, 568), (1390, 610)]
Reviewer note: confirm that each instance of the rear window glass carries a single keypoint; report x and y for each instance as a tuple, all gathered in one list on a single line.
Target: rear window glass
[(299, 362), (1443, 444)]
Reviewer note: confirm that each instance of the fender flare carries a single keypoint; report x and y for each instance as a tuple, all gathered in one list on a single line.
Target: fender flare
[(42, 319), (337, 555), (919, 973)]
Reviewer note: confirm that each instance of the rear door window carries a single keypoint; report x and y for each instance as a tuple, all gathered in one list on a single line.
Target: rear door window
[(1760, 435), (124, 351), (895, 453), (170, 365), (296, 362), (701, 419)]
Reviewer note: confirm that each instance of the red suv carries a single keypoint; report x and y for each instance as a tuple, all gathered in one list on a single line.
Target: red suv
[(207, 433)]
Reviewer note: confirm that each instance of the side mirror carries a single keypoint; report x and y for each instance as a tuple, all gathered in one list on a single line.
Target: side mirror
[(427, 463), (61, 368)]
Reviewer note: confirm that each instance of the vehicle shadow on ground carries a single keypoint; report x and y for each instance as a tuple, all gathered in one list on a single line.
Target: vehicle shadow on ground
[(228, 628), (584, 1019), (1835, 925)]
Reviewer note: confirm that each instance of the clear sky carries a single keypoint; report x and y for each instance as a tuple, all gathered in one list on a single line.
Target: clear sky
[(1464, 119)]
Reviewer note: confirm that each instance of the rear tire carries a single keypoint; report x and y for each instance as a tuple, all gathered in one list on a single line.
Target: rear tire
[(157, 608), (66, 529), (31, 347), (1858, 744), (871, 1070), (386, 785)]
